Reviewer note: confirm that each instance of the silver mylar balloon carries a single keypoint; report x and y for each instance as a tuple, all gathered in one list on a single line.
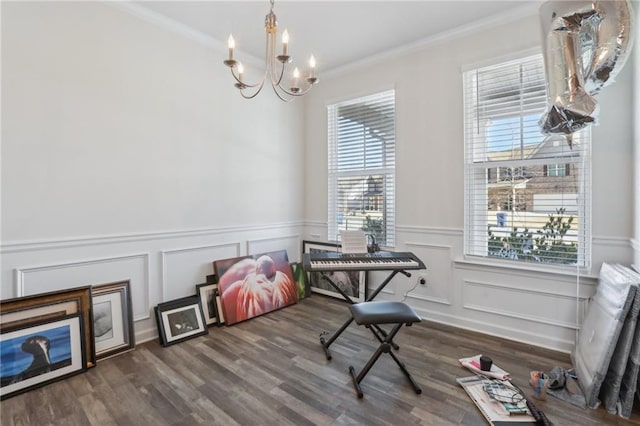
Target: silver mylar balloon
[(587, 43), (613, 43)]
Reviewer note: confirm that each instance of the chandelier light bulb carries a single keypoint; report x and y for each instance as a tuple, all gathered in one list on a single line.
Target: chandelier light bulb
[(312, 66), (294, 83), (285, 42), (232, 44), (240, 71), (296, 76)]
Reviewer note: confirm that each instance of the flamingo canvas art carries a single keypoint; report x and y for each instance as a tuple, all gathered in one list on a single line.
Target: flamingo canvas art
[(254, 285)]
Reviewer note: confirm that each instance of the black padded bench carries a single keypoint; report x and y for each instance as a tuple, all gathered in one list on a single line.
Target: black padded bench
[(372, 314)]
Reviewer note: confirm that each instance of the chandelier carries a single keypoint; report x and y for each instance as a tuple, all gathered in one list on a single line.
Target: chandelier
[(286, 89)]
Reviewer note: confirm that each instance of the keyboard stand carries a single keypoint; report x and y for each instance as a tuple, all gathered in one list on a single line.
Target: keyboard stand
[(375, 329)]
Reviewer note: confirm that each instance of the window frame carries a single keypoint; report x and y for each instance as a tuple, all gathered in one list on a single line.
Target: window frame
[(378, 162), (557, 170), (484, 170)]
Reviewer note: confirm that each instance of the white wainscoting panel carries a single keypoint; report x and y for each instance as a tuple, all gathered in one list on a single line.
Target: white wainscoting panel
[(290, 243), (159, 265), (534, 306), (60, 276), (611, 250), (183, 268), (398, 285), (522, 304), (438, 275)]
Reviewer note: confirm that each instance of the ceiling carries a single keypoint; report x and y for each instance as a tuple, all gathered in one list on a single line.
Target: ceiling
[(338, 33)]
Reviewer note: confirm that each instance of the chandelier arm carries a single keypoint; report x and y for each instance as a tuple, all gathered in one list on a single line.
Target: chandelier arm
[(258, 90), (282, 98), (260, 83), (250, 96), (279, 80), (299, 93)]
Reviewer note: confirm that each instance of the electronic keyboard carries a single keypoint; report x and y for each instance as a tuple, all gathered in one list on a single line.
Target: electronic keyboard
[(377, 261)]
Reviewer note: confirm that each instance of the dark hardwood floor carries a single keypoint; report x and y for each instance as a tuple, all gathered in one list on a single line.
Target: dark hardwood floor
[(271, 370)]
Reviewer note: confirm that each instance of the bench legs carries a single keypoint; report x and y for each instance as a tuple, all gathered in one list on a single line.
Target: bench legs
[(385, 347)]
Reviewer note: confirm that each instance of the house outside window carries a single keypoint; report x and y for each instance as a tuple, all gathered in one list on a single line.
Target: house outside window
[(557, 170), (527, 195), (361, 167)]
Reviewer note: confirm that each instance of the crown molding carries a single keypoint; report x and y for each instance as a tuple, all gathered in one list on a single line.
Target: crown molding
[(528, 9), (155, 18)]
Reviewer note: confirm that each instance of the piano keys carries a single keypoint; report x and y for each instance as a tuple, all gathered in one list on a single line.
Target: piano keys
[(377, 261)]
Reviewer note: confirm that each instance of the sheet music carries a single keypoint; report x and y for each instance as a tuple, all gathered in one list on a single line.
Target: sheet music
[(353, 242)]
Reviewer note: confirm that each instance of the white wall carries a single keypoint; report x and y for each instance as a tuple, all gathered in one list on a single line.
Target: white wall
[(539, 307), (635, 63), (128, 154)]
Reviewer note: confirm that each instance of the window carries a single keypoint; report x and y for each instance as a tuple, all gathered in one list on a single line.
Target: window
[(362, 160), (557, 170), (527, 195)]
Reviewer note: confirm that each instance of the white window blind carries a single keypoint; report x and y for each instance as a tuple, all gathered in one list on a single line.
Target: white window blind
[(362, 160), (527, 195)]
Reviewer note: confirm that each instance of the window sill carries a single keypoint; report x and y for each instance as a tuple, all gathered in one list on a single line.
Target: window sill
[(484, 263)]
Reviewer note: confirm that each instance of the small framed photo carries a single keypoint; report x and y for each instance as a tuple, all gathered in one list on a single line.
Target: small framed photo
[(40, 353), (301, 279), (221, 320), (207, 294), (27, 310), (353, 283), (180, 320), (112, 319)]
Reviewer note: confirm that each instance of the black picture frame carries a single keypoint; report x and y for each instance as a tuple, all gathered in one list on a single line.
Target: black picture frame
[(353, 283), (38, 353), (207, 293), (179, 320), (112, 319)]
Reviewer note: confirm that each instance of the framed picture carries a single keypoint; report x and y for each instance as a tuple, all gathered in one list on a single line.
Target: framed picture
[(207, 294), (221, 319), (254, 285), (112, 319), (353, 283), (180, 320), (36, 353), (300, 278), (26, 310)]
